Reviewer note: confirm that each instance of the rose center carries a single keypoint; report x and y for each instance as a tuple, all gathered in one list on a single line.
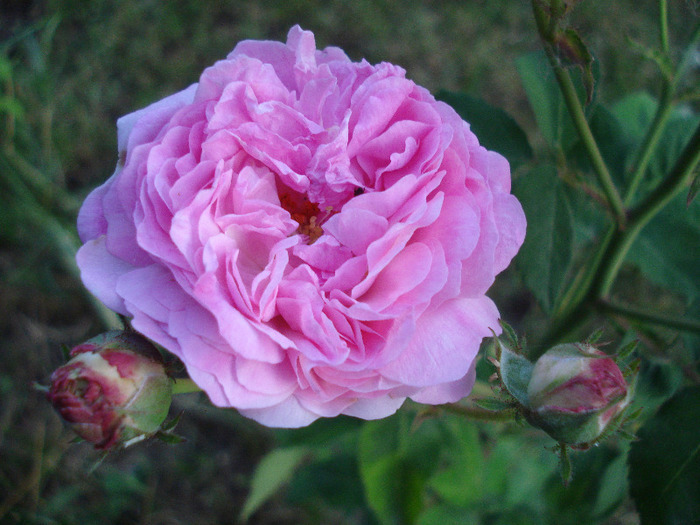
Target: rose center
[(306, 213)]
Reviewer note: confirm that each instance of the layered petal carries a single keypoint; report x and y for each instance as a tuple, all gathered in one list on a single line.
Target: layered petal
[(311, 236)]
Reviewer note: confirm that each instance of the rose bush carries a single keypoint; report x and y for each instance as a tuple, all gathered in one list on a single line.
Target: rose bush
[(312, 236)]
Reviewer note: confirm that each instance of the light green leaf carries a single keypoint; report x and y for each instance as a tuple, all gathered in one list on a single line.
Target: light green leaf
[(545, 256), (460, 483), (273, 471), (665, 462)]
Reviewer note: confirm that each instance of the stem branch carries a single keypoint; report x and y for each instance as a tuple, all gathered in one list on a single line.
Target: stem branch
[(578, 117), (687, 325)]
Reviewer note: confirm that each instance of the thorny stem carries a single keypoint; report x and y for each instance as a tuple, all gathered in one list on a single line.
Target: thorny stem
[(578, 117), (663, 112), (591, 288), (615, 246), (675, 182), (665, 106), (688, 325)]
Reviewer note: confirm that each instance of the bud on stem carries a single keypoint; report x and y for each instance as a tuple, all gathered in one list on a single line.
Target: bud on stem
[(574, 392), (113, 390)]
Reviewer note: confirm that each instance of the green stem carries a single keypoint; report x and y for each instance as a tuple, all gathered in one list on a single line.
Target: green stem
[(606, 264), (663, 26), (578, 117), (594, 282), (686, 325), (665, 107), (679, 177), (663, 112), (185, 386)]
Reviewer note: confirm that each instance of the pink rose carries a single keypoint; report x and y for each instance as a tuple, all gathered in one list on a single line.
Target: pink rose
[(311, 236)]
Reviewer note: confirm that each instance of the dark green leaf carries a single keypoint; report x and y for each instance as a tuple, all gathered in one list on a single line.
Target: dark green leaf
[(612, 487), (582, 501), (667, 249), (635, 111), (496, 129), (626, 351), (546, 254), (332, 482), (273, 471), (614, 144), (546, 100), (170, 425), (395, 463), (564, 464), (510, 334), (665, 462), (170, 438), (680, 127)]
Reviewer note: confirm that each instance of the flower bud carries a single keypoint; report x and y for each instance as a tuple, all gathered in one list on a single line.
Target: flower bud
[(113, 389), (574, 392)]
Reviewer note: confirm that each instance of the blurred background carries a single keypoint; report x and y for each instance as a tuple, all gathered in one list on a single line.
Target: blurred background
[(68, 70)]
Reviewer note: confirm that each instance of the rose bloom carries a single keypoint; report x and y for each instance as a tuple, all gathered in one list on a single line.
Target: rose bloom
[(311, 236)]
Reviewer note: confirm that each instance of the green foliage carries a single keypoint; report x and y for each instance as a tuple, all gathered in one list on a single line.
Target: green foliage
[(672, 260), (546, 100), (545, 256), (273, 471), (669, 447), (68, 69), (496, 130), (395, 464)]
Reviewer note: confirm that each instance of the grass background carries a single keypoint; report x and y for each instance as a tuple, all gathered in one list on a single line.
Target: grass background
[(68, 70)]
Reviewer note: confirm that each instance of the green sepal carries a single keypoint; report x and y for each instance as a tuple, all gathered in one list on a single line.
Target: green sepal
[(492, 404), (515, 372), (625, 352), (169, 437)]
